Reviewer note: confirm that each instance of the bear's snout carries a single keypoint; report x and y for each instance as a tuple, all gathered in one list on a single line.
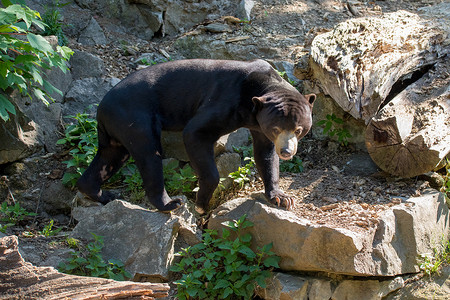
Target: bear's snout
[(286, 144)]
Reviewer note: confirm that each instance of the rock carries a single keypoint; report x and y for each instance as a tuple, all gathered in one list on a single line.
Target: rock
[(92, 34), (288, 69), (235, 139), (224, 47), (173, 145), (289, 286), (217, 28), (84, 94), (404, 232), (366, 289), (435, 287), (286, 287), (147, 18), (360, 60), (142, 239), (360, 164), (18, 138), (85, 64), (244, 9), (227, 163)]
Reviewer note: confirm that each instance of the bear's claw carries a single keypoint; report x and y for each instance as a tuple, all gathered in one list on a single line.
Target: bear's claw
[(283, 201)]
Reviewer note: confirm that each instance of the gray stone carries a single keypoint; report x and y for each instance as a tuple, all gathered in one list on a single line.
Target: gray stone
[(285, 287), (173, 145), (244, 9), (18, 138), (296, 287), (360, 164), (85, 64), (84, 94), (142, 239), (217, 28), (404, 232), (92, 34), (229, 142)]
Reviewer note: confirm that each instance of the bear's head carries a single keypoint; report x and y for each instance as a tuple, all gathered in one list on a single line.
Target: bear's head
[(284, 117)]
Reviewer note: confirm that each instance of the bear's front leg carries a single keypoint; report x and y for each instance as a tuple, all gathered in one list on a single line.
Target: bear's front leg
[(267, 163)]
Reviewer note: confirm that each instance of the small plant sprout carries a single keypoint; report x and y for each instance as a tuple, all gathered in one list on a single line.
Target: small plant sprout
[(91, 263), (333, 126)]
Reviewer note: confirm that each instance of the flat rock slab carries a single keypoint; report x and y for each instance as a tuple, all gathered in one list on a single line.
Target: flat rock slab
[(22, 280), (392, 247), (142, 239)]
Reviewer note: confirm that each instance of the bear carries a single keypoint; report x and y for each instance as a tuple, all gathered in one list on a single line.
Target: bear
[(204, 99)]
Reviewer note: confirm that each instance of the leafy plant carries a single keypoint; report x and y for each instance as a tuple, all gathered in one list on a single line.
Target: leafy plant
[(49, 231), (243, 174), (53, 19), (82, 137), (333, 126), (222, 268), (133, 180), (295, 165), (431, 262), (91, 263), (24, 55), (179, 180), (13, 214), (285, 77)]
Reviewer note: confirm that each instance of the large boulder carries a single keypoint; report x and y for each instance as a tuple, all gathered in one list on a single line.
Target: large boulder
[(391, 248), (147, 18), (142, 239)]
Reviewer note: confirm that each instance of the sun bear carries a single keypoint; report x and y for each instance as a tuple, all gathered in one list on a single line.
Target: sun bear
[(205, 99)]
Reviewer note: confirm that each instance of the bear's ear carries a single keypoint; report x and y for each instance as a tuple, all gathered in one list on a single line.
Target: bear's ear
[(311, 98), (258, 103)]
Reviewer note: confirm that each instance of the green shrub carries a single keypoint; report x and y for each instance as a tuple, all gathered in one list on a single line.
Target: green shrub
[(82, 138), (91, 263), (333, 126), (53, 19), (24, 55), (295, 165), (222, 268), (179, 180)]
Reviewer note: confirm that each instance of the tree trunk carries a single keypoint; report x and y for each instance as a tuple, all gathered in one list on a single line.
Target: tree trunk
[(360, 60), (411, 134), (22, 280)]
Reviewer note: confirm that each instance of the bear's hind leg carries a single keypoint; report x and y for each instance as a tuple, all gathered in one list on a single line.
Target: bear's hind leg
[(145, 147), (108, 160)]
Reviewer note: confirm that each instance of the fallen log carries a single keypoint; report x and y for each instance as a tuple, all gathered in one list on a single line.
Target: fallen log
[(360, 60), (411, 134), (22, 280)]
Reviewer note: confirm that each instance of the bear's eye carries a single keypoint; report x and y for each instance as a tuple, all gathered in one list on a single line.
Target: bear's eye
[(276, 130), (298, 131)]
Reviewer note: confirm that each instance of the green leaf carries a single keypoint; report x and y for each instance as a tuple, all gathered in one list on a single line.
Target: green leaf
[(5, 107), (221, 284), (272, 261), (247, 251), (38, 42)]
